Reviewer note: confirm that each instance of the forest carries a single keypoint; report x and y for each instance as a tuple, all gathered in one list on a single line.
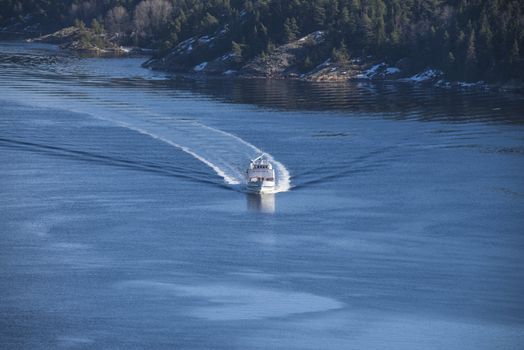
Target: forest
[(468, 40)]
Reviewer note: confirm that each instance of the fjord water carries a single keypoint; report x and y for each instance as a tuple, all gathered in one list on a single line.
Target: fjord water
[(397, 223)]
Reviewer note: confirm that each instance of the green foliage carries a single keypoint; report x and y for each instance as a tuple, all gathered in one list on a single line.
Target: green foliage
[(236, 48), (97, 27), (308, 64), (340, 55), (291, 29), (478, 39), (80, 24)]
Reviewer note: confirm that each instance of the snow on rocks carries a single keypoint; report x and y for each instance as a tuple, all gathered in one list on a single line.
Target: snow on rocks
[(205, 39), (426, 76), (227, 56), (392, 70), (371, 72), (324, 64), (379, 71), (318, 36), (200, 67)]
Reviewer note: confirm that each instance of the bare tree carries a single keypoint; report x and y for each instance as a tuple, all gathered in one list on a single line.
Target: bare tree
[(117, 20), (150, 16), (84, 11)]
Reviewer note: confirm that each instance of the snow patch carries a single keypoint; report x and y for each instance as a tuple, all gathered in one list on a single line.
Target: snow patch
[(187, 42), (428, 74), (186, 45), (466, 85), (371, 72), (443, 84), (205, 39), (324, 64), (380, 70), (318, 36), (200, 67), (227, 56), (230, 72), (392, 70)]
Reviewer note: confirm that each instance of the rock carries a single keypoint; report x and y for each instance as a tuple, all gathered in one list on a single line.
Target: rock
[(428, 76), (202, 55), (63, 36), (380, 71), (196, 50), (84, 41), (222, 64), (284, 61), (405, 65), (331, 71)]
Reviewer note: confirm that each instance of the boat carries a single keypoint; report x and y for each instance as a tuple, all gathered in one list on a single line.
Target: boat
[(260, 176)]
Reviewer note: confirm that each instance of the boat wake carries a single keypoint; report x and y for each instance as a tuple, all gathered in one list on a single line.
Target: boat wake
[(226, 154)]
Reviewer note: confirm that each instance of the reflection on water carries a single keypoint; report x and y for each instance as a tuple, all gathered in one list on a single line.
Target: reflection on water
[(262, 203), (388, 99)]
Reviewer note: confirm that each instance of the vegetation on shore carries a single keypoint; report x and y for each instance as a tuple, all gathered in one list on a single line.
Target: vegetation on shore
[(468, 40)]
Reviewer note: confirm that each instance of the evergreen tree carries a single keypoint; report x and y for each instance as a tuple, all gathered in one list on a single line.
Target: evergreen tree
[(319, 14), (340, 55), (514, 55), (471, 54), (291, 29), (483, 37), (96, 26), (236, 48)]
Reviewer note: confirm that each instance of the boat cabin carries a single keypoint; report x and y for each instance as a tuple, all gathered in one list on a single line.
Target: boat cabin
[(260, 170)]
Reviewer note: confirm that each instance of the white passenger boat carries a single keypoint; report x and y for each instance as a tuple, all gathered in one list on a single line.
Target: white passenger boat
[(260, 176)]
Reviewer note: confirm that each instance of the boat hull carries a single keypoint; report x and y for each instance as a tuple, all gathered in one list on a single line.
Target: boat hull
[(261, 187)]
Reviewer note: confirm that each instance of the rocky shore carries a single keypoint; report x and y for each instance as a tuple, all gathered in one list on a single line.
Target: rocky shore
[(286, 62), (85, 41), (204, 56)]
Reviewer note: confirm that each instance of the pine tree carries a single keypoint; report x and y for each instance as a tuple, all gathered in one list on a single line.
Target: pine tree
[(365, 31), (291, 29), (450, 61), (471, 56), (514, 55), (340, 55), (308, 64), (80, 24), (471, 53), (97, 27), (319, 14)]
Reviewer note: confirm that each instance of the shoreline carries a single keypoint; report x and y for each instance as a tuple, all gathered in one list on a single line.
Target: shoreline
[(371, 75)]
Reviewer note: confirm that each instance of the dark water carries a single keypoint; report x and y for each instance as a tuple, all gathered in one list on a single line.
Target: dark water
[(398, 223)]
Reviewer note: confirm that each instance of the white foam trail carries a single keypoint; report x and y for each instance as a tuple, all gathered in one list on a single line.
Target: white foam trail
[(226, 154), (228, 179), (283, 176)]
